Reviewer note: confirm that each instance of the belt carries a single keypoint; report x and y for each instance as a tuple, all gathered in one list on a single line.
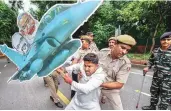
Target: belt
[(106, 89)]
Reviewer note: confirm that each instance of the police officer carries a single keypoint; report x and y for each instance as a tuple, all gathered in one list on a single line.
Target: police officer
[(52, 82), (117, 66), (111, 43), (161, 83), (85, 49), (93, 45)]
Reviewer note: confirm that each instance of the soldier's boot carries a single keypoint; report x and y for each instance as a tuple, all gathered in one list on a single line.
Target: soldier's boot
[(149, 107)]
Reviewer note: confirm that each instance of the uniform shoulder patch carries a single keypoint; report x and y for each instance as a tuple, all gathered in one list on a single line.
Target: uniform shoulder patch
[(128, 68)]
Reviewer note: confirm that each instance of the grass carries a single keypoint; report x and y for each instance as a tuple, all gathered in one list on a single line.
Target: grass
[(139, 56)]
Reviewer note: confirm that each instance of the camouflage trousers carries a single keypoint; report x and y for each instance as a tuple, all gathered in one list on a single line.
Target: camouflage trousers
[(161, 88)]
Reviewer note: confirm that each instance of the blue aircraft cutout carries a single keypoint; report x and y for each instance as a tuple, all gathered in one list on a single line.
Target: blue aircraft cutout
[(53, 43)]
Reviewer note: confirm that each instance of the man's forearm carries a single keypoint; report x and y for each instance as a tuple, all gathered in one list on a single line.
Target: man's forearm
[(112, 85)]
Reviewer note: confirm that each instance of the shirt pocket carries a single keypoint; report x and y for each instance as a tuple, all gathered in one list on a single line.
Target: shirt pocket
[(112, 73)]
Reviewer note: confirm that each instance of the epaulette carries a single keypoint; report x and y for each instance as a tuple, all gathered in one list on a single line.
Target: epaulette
[(105, 49), (126, 59)]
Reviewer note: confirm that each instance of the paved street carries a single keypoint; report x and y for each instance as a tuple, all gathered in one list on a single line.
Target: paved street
[(32, 94)]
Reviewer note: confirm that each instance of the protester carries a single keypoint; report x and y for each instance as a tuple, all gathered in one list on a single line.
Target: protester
[(88, 88), (78, 57)]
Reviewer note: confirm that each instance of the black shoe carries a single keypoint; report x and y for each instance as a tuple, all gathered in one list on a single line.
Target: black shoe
[(148, 108), (51, 98), (58, 104)]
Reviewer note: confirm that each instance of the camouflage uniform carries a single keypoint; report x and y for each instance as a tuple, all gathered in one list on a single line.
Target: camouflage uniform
[(161, 83)]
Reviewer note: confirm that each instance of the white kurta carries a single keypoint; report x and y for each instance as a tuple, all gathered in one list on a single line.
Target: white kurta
[(88, 89)]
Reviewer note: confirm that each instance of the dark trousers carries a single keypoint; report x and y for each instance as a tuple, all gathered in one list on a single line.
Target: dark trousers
[(74, 78), (161, 87)]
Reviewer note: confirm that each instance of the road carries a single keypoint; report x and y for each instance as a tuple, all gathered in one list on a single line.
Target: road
[(32, 95)]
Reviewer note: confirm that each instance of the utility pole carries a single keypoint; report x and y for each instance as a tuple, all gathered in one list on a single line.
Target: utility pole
[(117, 31)]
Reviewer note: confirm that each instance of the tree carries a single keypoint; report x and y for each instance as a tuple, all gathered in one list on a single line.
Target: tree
[(141, 19), (7, 23), (43, 6), (15, 5), (102, 24), (144, 20)]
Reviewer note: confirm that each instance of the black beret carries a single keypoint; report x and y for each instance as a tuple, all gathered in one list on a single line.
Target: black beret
[(165, 35)]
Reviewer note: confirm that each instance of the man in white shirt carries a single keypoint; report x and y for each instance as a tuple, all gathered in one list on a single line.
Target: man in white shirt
[(88, 89)]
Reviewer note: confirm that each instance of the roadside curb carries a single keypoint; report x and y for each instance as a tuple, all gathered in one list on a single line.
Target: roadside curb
[(138, 65)]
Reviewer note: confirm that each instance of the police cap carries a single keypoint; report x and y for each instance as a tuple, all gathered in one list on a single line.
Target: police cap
[(90, 34), (126, 39), (86, 38), (112, 38), (166, 35)]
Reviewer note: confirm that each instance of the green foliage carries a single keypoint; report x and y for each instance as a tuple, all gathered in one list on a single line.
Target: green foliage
[(102, 24), (43, 6), (141, 19), (7, 23), (15, 5), (139, 56)]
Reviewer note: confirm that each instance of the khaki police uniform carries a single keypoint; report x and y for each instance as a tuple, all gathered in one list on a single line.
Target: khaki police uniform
[(52, 82), (105, 50), (117, 71), (93, 46), (81, 53)]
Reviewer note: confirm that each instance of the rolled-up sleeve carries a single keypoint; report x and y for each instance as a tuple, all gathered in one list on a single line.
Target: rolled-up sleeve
[(72, 67), (92, 84)]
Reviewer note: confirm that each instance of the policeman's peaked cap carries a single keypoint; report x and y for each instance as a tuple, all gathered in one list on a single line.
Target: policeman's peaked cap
[(126, 39), (112, 38)]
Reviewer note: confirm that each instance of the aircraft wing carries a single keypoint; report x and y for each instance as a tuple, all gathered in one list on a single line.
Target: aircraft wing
[(49, 15), (59, 58)]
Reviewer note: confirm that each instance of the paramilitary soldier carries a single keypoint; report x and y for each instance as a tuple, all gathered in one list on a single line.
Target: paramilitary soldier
[(161, 83)]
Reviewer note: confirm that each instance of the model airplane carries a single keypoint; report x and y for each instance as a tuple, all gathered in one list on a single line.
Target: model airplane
[(53, 42)]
